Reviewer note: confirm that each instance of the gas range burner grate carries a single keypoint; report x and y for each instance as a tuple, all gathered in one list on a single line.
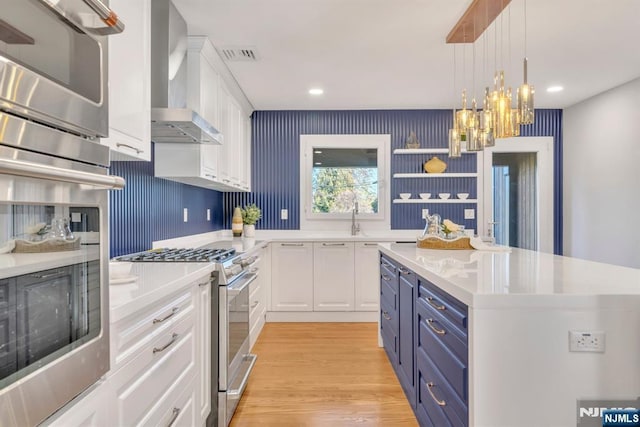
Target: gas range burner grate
[(180, 255)]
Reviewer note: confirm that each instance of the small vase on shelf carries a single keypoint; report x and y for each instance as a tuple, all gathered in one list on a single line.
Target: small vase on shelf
[(236, 222), (435, 165)]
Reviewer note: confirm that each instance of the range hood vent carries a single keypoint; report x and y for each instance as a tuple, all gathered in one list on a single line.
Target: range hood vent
[(239, 54), (172, 121)]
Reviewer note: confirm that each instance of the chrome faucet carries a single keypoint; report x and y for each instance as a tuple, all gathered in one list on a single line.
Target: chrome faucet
[(355, 228)]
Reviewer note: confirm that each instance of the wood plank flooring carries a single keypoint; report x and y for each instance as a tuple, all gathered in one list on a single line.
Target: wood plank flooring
[(322, 374)]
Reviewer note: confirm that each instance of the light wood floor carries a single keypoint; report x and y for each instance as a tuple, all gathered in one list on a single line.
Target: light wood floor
[(322, 374)]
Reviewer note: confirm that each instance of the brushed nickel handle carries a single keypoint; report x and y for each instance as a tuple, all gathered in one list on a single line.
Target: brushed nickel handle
[(174, 337), (174, 416), (434, 329), (333, 244), (137, 150), (371, 244), (46, 276), (209, 175), (174, 310), (255, 304), (385, 277), (386, 315), (291, 244), (404, 270), (431, 302), (430, 385)]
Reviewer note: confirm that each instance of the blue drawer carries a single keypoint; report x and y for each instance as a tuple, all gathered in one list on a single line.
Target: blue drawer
[(388, 316), (452, 366), (388, 294), (436, 398), (443, 330), (389, 341), (389, 264), (452, 309)]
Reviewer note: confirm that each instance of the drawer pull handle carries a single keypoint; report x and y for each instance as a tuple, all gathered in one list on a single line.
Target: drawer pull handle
[(174, 416), (291, 244), (430, 385), (371, 244), (385, 277), (174, 337), (174, 310), (434, 329), (389, 266), (137, 150), (386, 315), (203, 284), (404, 270), (255, 304), (333, 244), (431, 302)]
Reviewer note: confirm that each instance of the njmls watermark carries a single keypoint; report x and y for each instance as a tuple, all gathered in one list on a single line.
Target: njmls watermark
[(609, 413)]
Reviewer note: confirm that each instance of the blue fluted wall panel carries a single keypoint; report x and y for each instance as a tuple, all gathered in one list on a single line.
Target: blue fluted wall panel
[(151, 209), (276, 156)]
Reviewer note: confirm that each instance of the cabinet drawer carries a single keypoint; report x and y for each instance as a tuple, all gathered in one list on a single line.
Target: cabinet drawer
[(445, 304), (155, 373), (390, 265), (388, 295), (388, 316), (389, 341), (129, 335), (436, 397), (177, 408), (443, 331), (256, 302), (453, 368)]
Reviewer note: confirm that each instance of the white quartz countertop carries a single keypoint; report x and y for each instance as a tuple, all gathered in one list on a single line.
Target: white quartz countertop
[(520, 278), (150, 282)]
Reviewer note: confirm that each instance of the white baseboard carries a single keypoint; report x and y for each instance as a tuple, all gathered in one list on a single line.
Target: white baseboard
[(322, 316)]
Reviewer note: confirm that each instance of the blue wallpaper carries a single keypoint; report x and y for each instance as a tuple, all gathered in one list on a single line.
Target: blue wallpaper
[(151, 209), (275, 164)]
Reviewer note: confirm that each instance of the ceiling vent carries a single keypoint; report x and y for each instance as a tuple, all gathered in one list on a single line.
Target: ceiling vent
[(239, 53)]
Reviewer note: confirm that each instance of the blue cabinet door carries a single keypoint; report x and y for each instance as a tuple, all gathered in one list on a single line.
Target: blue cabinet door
[(406, 348)]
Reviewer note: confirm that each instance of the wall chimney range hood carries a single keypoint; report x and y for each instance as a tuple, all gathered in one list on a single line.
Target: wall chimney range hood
[(172, 121)]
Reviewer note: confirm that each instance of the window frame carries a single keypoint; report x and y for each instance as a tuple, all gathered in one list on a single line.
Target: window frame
[(327, 221)]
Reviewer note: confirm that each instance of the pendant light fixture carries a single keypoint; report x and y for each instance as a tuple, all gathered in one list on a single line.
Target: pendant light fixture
[(525, 91), (455, 149)]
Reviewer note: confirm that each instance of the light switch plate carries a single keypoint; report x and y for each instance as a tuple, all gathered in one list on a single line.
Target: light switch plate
[(425, 213), (284, 214), (469, 214), (185, 215)]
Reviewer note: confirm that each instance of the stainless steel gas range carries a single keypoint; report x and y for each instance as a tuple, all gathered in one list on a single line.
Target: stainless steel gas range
[(230, 353)]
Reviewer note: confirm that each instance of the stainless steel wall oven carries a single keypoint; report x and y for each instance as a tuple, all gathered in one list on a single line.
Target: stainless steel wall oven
[(54, 240)]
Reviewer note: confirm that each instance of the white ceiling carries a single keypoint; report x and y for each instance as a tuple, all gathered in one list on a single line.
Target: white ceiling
[(382, 54)]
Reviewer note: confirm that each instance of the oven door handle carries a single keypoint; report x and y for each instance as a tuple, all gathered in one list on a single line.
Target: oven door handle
[(240, 287), (237, 392), (113, 24), (33, 170)]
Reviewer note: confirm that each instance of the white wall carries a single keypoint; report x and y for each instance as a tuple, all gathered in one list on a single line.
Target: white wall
[(601, 144)]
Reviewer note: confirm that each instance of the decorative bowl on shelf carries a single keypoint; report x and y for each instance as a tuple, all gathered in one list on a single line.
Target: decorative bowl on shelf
[(425, 195), (405, 196), (444, 196), (463, 196)]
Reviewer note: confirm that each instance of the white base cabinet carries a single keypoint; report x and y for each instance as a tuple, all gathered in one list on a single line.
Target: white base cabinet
[(292, 276), (257, 294), (333, 274), (367, 276), (89, 409)]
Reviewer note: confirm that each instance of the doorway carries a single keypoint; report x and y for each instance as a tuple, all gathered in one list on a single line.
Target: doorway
[(518, 193)]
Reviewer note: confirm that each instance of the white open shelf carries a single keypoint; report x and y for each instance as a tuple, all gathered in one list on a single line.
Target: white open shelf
[(435, 175), (426, 151), (435, 201)]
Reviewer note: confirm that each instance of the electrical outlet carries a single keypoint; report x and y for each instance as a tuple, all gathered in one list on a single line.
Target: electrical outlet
[(589, 341), (185, 215), (469, 214), (425, 213), (76, 217), (208, 214), (284, 214)]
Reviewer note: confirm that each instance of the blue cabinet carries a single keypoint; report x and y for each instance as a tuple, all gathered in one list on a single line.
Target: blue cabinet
[(389, 308), (406, 349), (442, 368)]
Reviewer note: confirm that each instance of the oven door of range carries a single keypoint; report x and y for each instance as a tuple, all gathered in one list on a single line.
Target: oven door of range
[(235, 361)]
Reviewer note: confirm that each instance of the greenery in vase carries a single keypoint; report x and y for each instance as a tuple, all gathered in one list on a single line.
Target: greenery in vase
[(251, 214), (449, 227)]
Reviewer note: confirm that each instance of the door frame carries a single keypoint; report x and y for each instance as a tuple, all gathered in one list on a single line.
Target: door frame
[(542, 146)]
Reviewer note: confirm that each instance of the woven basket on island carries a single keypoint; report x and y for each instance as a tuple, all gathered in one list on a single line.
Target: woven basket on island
[(431, 241)]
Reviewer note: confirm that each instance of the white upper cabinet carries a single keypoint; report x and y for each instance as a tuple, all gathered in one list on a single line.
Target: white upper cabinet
[(130, 83), (202, 80)]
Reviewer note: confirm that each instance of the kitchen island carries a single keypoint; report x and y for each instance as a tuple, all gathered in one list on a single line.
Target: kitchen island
[(490, 334)]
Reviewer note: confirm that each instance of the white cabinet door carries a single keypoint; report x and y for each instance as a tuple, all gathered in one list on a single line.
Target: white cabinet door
[(130, 83), (203, 348), (89, 409), (292, 276), (333, 276), (246, 176), (223, 120), (367, 276)]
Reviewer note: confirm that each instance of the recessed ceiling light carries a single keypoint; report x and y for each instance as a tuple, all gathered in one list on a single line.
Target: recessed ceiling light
[(318, 151), (553, 89), (316, 91)]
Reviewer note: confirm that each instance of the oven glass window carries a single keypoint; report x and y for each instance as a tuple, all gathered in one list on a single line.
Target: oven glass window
[(39, 38), (49, 285)]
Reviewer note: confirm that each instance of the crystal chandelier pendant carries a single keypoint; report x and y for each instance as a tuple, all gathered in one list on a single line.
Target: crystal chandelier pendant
[(474, 142), (462, 117), (525, 100), (455, 149), (486, 121), (515, 123)]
